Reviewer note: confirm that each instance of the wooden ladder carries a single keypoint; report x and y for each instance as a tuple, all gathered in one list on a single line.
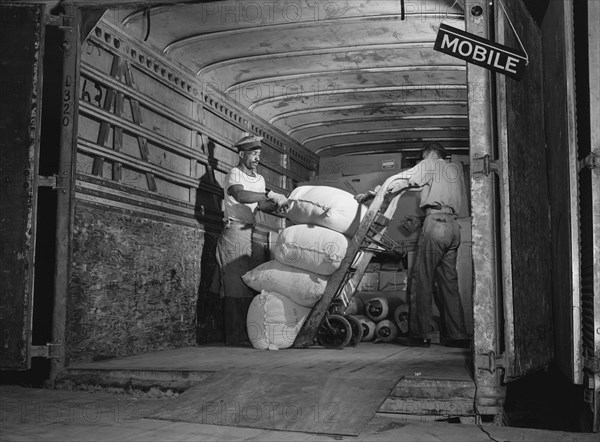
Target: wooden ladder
[(121, 68), (344, 281)]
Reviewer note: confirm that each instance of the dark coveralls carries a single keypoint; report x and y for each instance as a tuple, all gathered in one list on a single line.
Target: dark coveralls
[(441, 184), (237, 254)]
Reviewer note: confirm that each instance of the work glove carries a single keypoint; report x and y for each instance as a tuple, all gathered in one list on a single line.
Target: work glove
[(411, 224), (278, 198), (369, 195)]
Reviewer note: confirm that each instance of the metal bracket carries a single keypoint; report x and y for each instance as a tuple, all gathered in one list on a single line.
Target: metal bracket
[(44, 351), (589, 389), (64, 22), (490, 361), (592, 364), (54, 181), (592, 161), (483, 165)]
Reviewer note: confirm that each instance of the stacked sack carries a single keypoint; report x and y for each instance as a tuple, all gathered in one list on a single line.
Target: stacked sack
[(274, 321), (306, 255)]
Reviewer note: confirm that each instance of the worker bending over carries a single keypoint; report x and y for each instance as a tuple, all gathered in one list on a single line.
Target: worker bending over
[(441, 184)]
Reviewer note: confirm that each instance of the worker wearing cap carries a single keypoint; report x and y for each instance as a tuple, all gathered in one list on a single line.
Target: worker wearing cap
[(441, 189), (244, 194)]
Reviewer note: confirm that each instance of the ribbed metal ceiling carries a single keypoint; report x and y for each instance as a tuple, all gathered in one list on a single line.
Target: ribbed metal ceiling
[(339, 77)]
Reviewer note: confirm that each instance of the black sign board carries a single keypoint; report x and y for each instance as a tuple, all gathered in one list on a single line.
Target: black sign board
[(479, 51)]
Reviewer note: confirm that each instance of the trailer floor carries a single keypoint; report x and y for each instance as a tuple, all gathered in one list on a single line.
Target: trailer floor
[(308, 390), (38, 414)]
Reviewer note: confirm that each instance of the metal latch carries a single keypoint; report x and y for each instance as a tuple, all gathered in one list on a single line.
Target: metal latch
[(592, 364), (589, 390), (54, 181), (61, 20), (44, 351), (592, 161), (490, 361), (483, 165)]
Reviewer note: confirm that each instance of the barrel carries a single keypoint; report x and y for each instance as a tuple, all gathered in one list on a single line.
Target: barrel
[(368, 328), (401, 319), (386, 331), (377, 309)]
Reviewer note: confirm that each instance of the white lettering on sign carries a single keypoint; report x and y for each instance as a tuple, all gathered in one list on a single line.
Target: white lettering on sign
[(479, 51), (511, 62), (466, 53), (446, 43)]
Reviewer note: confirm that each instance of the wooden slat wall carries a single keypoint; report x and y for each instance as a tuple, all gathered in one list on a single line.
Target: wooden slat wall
[(154, 146), (526, 216), (561, 148)]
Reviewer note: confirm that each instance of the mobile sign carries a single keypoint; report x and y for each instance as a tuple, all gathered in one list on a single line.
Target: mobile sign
[(479, 51)]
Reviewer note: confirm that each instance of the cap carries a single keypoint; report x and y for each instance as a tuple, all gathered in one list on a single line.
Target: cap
[(434, 145), (249, 142)]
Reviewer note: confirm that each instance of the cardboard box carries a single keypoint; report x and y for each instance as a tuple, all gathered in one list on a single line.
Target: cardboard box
[(364, 182), (359, 164), (392, 281), (352, 183), (391, 266), (369, 282), (373, 267)]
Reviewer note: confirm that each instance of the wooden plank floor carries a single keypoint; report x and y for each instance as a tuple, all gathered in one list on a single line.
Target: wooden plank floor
[(309, 390), (385, 360), (33, 414)]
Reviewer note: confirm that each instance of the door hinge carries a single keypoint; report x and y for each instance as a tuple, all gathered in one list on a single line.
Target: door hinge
[(54, 181), (590, 388), (490, 361), (45, 351), (64, 22), (591, 161), (592, 364), (483, 165)]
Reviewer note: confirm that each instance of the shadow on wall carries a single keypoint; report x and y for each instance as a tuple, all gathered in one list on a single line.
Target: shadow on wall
[(209, 310)]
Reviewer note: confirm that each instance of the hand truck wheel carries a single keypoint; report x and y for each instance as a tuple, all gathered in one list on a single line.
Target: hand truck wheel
[(357, 330), (335, 332)]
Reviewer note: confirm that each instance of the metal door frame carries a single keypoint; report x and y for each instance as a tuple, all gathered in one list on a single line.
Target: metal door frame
[(577, 375), (591, 348), (31, 181), (490, 394), (66, 196)]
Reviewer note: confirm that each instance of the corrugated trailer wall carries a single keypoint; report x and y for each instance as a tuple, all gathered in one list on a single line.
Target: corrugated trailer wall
[(152, 152)]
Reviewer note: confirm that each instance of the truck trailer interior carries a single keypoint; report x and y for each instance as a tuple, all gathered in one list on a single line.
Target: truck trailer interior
[(128, 112)]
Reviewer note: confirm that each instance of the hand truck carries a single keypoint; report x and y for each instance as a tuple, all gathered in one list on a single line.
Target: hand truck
[(326, 323)]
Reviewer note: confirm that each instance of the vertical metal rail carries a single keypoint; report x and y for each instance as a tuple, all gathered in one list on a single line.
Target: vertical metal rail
[(66, 183), (490, 395), (591, 267), (574, 191)]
